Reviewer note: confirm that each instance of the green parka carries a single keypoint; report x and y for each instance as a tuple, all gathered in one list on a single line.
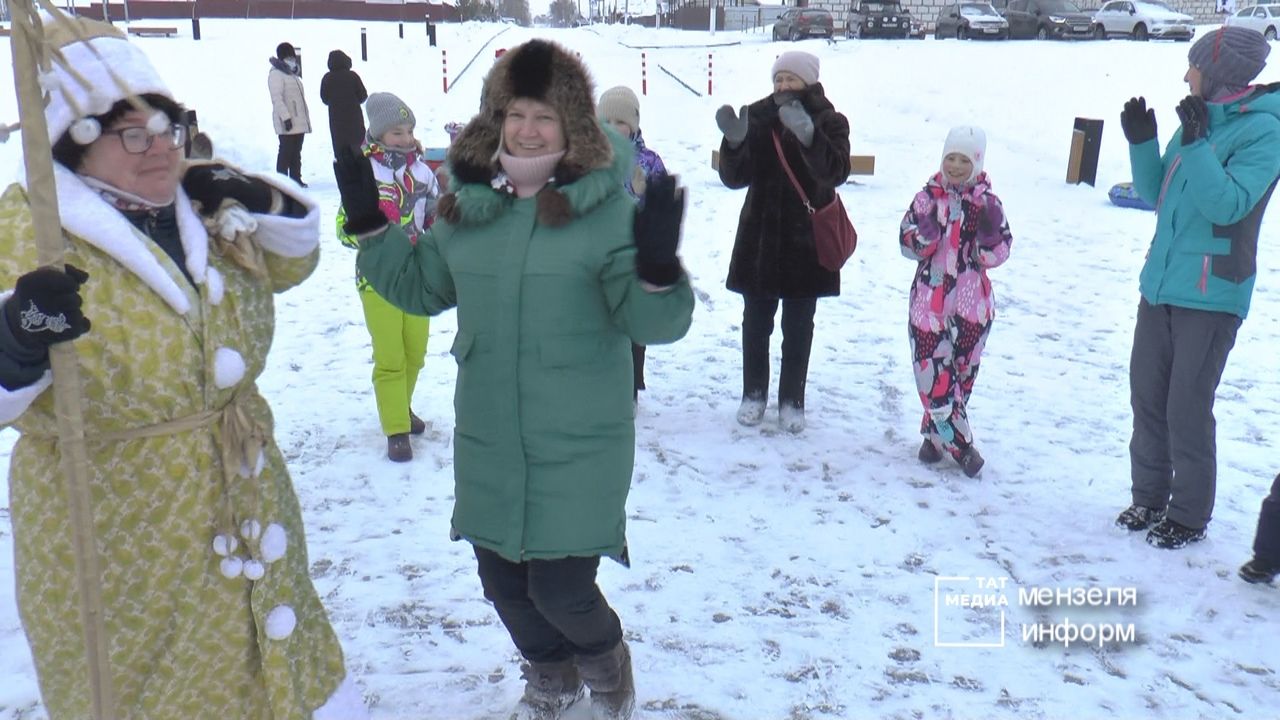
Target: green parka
[(544, 440)]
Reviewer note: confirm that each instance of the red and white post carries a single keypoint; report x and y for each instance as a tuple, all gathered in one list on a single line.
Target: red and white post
[(644, 74), (708, 74), (444, 69)]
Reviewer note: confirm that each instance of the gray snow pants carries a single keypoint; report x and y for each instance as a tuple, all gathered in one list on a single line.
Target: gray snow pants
[(1177, 361)]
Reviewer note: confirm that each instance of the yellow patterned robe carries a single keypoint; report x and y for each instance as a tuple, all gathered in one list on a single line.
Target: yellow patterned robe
[(184, 640)]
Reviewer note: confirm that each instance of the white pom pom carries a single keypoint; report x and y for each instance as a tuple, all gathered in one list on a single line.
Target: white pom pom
[(224, 545), (254, 570), (49, 81), (274, 543), (228, 368), (213, 282), (85, 130), (231, 567), (158, 123), (251, 530), (280, 622)]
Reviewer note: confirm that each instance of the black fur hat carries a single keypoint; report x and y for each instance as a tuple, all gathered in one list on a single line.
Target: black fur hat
[(543, 71)]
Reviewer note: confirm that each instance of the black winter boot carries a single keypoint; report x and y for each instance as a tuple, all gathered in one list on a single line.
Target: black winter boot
[(549, 690), (1139, 517), (613, 689), (1259, 571), (1173, 535)]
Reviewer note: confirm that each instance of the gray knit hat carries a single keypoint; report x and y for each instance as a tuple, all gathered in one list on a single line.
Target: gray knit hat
[(1228, 60), (385, 111), (799, 63), (620, 103)]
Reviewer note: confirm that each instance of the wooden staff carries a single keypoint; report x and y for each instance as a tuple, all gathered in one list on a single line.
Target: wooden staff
[(30, 58)]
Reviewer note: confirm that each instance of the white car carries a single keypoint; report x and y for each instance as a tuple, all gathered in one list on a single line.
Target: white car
[(1263, 18), (1142, 19)]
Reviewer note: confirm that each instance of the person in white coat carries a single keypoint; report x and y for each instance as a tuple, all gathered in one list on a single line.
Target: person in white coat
[(288, 110)]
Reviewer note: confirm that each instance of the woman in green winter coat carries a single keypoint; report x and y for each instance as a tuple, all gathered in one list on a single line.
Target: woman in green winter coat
[(554, 275), (208, 609)]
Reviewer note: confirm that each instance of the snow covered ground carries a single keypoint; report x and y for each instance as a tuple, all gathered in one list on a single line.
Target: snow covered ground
[(779, 576)]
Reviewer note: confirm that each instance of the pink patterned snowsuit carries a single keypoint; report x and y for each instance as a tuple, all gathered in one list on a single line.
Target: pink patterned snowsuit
[(956, 234)]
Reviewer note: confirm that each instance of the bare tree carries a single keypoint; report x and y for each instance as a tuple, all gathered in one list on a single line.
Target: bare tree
[(564, 12)]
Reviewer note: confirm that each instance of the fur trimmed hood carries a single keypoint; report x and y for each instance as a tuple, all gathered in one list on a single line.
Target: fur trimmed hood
[(543, 71), (558, 204)]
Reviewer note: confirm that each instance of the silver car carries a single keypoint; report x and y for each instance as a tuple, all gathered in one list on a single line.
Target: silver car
[(1263, 18), (1141, 20)]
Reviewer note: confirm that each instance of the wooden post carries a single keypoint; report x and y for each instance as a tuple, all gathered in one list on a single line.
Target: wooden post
[(29, 60)]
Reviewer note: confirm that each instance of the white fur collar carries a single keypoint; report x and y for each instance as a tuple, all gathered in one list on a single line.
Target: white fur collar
[(87, 216)]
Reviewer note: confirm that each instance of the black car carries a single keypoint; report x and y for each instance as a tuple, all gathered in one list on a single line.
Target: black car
[(1045, 19), (799, 23), (878, 18), (971, 20)]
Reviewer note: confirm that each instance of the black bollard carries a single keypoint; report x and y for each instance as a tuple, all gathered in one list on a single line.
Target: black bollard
[(431, 33), (364, 46), (401, 31), (195, 28)]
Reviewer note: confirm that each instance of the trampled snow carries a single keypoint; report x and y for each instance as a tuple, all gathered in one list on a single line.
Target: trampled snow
[(778, 576)]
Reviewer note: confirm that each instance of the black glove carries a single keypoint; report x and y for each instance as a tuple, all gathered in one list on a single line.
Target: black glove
[(1138, 121), (211, 183), (657, 232), (359, 193), (733, 126), (45, 307), (1194, 114), (288, 124)]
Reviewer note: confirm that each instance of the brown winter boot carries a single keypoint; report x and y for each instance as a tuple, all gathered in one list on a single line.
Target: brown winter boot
[(398, 448), (417, 425), (549, 690), (613, 689)]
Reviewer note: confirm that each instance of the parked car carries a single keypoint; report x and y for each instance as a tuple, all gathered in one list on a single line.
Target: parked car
[(798, 23), (1045, 19), (971, 20), (1142, 19), (877, 18), (1263, 18)]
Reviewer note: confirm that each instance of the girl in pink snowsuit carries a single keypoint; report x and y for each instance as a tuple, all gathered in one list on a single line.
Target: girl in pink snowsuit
[(956, 230)]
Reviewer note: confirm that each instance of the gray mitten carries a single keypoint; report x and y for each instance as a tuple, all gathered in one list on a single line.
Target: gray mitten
[(733, 126), (796, 119)]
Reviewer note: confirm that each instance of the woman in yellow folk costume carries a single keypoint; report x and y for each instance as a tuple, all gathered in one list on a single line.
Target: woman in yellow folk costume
[(207, 605)]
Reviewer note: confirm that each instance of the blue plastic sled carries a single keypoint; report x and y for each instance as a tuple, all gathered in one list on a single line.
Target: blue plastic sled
[(1124, 195)]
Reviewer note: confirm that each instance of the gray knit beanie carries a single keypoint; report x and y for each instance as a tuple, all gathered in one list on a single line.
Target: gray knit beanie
[(385, 111), (1228, 60), (799, 63), (620, 103)]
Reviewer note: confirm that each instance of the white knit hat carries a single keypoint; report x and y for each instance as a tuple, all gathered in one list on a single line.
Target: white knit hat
[(124, 59), (969, 141), (798, 63)]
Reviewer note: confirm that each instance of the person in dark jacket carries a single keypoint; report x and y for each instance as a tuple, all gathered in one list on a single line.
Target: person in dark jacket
[(774, 257), (342, 90), (1210, 190), (1265, 564)]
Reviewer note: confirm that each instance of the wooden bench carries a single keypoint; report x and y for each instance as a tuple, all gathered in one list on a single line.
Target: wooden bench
[(152, 31), (858, 164)]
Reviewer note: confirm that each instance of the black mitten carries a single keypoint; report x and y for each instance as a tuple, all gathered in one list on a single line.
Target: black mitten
[(211, 183), (1194, 114), (45, 307), (1138, 121), (359, 191), (657, 232)]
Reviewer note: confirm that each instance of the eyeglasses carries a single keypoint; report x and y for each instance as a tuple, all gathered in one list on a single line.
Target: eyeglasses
[(138, 140)]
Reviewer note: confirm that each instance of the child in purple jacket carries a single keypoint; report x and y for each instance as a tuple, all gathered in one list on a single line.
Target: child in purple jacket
[(620, 108), (956, 230)]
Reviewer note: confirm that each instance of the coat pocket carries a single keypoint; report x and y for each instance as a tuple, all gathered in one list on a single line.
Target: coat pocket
[(462, 345)]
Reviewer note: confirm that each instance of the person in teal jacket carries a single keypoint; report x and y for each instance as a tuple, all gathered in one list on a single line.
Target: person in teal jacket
[(554, 274), (1210, 189)]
